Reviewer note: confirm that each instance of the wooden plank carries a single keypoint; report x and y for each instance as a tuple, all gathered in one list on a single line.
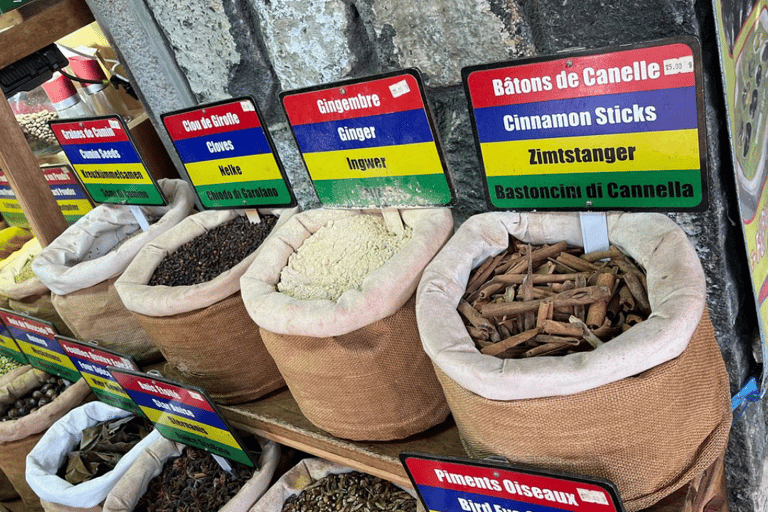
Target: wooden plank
[(27, 181), (45, 21)]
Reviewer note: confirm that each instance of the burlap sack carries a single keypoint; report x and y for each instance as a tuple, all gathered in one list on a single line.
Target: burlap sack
[(81, 265), (50, 453), (30, 296), (293, 482), (18, 437), (7, 491), (126, 494), (649, 410), (202, 330), (355, 366)]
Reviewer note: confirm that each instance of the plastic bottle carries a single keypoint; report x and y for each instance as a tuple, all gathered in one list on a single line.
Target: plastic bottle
[(102, 97), (64, 98)]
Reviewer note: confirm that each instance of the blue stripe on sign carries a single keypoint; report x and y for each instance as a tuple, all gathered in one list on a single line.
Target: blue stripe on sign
[(674, 109), (447, 500), (207, 417), (251, 141), (407, 127), (68, 192), (76, 153), (23, 335)]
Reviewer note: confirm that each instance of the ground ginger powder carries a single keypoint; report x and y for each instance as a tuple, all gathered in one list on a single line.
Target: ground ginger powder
[(339, 256)]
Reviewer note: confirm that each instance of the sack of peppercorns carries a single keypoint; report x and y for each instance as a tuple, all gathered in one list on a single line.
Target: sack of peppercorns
[(172, 476), (81, 265), (316, 484), (648, 409), (84, 454), (30, 404), (333, 294), (184, 290), (23, 290)]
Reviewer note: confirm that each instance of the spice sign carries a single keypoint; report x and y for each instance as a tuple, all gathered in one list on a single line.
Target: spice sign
[(8, 346), (106, 161), (597, 130), (459, 485), (67, 191), (229, 156), (183, 414), (36, 339), (369, 143), (92, 363)]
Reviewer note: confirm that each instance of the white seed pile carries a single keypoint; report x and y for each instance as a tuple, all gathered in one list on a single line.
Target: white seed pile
[(36, 130), (339, 256)]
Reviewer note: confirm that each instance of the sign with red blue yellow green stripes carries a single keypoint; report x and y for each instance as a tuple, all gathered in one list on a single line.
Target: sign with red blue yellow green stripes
[(369, 142), (183, 413), (8, 346), (109, 167), (37, 340), (599, 130), (229, 156)]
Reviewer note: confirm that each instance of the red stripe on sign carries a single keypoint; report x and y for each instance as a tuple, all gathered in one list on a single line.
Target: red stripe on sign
[(89, 132), (383, 96), (59, 176), (92, 356), (152, 387), (511, 485), (576, 77), (211, 120)]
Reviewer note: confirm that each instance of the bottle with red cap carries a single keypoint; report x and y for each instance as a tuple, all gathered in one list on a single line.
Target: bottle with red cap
[(102, 97), (64, 98)]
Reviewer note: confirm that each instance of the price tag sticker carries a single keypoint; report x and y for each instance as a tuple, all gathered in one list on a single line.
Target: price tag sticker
[(370, 143), (8, 346), (609, 129), (37, 340), (229, 155), (107, 162), (184, 414), (92, 363), (451, 484)]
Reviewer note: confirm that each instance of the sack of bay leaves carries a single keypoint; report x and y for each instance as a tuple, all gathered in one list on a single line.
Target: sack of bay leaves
[(352, 360), (84, 454), (171, 476), (184, 290), (648, 409), (81, 265), (28, 412), (22, 291)]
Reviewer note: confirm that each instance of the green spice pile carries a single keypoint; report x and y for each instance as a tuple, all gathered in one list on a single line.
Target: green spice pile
[(25, 272), (193, 482), (102, 446), (34, 399), (7, 364), (212, 253)]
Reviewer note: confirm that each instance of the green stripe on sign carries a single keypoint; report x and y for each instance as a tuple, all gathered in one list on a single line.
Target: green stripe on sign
[(128, 194), (50, 367), (117, 401), (248, 193), (422, 190), (636, 189), (204, 443), (12, 354)]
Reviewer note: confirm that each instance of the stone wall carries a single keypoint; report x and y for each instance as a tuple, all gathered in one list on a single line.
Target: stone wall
[(184, 52)]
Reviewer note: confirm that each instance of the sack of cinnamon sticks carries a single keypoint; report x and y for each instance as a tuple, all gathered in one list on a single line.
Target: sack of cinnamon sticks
[(645, 405)]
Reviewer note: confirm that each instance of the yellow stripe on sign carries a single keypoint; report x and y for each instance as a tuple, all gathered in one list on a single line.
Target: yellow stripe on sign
[(75, 206), (8, 343), (253, 168), (44, 353), (407, 160), (123, 174), (189, 425), (104, 385), (653, 151)]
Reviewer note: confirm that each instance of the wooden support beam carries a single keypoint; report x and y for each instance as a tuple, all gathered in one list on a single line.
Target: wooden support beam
[(23, 172)]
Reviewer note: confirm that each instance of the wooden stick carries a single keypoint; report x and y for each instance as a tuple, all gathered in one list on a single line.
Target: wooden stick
[(576, 262), (537, 278), (481, 278), (612, 252), (597, 310), (474, 317), (547, 348), (513, 341), (578, 296), (544, 314), (560, 328), (638, 292)]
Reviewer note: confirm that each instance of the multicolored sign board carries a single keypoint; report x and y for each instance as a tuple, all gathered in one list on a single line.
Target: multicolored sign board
[(37, 340), (8, 346), (92, 362), (229, 156), (183, 414), (742, 32), (447, 484), (369, 143), (107, 162), (620, 129), (69, 194)]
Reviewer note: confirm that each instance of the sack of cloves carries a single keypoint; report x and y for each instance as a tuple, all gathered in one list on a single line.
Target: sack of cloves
[(648, 410)]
